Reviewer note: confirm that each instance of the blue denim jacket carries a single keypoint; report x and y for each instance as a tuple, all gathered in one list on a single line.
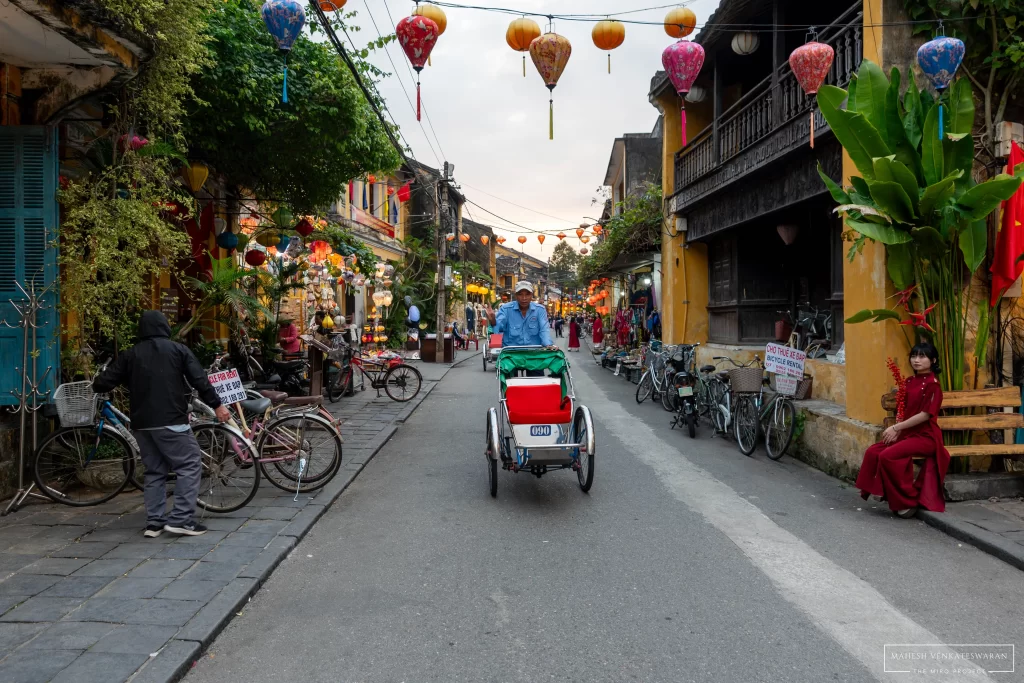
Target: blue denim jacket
[(531, 330)]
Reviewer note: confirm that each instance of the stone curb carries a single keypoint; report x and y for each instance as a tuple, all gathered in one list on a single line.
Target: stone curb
[(464, 360), (176, 658), (986, 541)]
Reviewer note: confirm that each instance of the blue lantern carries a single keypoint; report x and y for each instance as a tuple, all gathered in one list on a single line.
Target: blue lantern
[(939, 59), (283, 244), (284, 20), (227, 240)]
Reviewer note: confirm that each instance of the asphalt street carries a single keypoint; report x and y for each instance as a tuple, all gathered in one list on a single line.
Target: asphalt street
[(687, 561)]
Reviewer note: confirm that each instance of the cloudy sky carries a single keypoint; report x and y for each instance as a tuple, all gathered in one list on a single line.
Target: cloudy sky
[(493, 124)]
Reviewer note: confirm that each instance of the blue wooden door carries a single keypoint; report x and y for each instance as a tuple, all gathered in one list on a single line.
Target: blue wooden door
[(28, 254)]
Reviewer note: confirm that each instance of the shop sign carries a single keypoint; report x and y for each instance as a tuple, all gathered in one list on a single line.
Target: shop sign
[(228, 386), (786, 385), (784, 360)]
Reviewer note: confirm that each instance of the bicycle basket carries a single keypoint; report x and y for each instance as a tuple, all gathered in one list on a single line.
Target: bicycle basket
[(76, 404), (745, 380)]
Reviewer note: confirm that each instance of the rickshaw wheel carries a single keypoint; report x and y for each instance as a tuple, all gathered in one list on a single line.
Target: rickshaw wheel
[(491, 452), (485, 361), (583, 432)]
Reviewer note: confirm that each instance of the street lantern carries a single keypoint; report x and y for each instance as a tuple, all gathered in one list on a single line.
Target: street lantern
[(417, 36), (284, 20), (434, 13), (680, 22), (939, 59), (560, 236), (550, 53), (810, 64), (608, 35), (520, 34), (683, 61)]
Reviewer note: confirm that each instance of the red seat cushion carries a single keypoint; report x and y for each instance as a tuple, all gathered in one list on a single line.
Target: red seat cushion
[(537, 405), (494, 341)]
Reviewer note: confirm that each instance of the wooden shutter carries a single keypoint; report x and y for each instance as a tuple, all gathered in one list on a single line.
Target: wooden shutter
[(28, 229)]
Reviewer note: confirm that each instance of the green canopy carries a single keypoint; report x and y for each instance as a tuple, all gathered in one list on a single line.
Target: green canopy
[(512, 360)]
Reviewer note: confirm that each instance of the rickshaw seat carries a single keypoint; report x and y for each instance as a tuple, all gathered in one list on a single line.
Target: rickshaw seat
[(494, 341), (536, 403)]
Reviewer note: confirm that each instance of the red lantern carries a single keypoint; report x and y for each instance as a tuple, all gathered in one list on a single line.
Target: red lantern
[(305, 227), (579, 232), (810, 64), (255, 257), (682, 61), (405, 192), (417, 35)]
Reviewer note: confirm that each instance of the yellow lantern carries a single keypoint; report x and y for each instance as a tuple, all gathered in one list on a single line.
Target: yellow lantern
[(195, 175), (335, 259), (268, 238), (607, 36), (434, 13), (680, 22), (327, 323), (520, 34)]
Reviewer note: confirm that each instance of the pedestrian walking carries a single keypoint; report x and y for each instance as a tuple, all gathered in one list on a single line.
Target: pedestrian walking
[(559, 323), (160, 375), (574, 334)]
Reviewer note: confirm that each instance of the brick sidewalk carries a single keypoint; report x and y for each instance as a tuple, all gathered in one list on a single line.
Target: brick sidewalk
[(85, 597)]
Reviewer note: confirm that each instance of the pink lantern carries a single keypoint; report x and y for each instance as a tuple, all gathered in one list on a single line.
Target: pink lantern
[(683, 60), (810, 64), (417, 35)]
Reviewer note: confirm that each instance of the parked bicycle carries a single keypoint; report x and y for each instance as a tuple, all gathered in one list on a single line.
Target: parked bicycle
[(652, 381), (399, 380), (769, 412)]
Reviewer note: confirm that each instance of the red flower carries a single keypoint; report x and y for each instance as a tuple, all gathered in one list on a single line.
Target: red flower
[(905, 296), (901, 389), (918, 319)]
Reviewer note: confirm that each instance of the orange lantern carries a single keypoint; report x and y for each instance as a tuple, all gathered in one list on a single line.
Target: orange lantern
[(680, 22), (449, 237), (500, 240), (540, 238), (520, 34), (607, 36), (331, 5), (550, 53), (597, 229), (464, 237), (522, 240), (560, 236), (431, 11), (484, 239), (579, 232), (584, 238)]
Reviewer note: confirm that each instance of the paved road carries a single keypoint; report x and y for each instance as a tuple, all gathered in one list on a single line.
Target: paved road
[(686, 562)]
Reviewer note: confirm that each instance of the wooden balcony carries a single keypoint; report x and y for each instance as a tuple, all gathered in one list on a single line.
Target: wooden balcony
[(767, 123)]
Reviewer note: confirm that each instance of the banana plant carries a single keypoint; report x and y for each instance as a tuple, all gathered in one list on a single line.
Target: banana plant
[(915, 194)]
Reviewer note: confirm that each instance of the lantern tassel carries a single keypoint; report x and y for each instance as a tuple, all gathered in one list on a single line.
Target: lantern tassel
[(812, 129), (284, 93), (609, 62), (417, 98), (682, 116), (551, 119), (524, 66)]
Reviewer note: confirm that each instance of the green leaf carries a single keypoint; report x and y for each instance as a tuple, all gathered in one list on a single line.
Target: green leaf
[(887, 168), (931, 149), (872, 86), (885, 314), (958, 155), (979, 201), (886, 234), (877, 314), (837, 192), (851, 100), (860, 317), (860, 186), (959, 114), (937, 194), (892, 199), (861, 140), (929, 242), (913, 121), (832, 95), (973, 242), (900, 264)]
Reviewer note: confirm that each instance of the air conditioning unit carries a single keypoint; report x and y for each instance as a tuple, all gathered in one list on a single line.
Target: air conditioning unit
[(1007, 132)]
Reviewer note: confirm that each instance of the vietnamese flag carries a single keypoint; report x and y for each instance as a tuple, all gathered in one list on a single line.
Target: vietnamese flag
[(1010, 241)]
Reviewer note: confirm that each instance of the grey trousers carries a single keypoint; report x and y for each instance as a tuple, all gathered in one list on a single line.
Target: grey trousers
[(165, 451)]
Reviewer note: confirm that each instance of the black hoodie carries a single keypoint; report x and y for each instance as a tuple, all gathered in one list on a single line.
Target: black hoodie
[(160, 375)]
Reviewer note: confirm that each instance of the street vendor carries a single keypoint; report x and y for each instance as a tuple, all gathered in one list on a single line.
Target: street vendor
[(888, 467), (288, 336), (522, 322)]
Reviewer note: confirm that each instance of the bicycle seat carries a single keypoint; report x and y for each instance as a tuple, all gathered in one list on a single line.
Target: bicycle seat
[(723, 375), (289, 365), (274, 396), (303, 400), (256, 405), (707, 368)]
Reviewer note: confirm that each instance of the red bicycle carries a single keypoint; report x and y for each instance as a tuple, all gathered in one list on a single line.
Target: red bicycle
[(400, 381)]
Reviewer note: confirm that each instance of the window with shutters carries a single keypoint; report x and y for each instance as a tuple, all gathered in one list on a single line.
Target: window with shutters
[(28, 228)]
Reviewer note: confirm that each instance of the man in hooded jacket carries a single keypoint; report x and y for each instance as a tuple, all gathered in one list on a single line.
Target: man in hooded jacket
[(160, 375)]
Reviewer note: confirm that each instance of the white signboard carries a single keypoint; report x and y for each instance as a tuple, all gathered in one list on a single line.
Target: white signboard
[(618, 368), (784, 360), (228, 386), (786, 385)]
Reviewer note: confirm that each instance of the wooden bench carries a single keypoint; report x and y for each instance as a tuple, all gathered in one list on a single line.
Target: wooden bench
[(1005, 398)]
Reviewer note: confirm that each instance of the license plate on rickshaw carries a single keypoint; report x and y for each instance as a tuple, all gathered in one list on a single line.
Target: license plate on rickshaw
[(685, 391), (540, 430)]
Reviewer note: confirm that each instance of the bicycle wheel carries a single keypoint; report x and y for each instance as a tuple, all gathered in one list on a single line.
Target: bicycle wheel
[(230, 475), (669, 398), (644, 388), (745, 424), (402, 383), (340, 384), (81, 466), (779, 431), (299, 453), (583, 433)]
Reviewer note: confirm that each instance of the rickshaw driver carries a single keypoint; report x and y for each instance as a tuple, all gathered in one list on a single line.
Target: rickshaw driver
[(522, 322)]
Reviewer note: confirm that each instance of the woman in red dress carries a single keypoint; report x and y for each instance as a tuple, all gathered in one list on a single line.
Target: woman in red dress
[(574, 334), (888, 467), (598, 330)]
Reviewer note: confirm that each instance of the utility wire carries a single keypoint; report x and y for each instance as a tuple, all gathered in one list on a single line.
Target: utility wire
[(500, 199)]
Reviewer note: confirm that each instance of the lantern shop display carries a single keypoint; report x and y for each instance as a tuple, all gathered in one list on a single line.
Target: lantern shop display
[(268, 238), (939, 59), (607, 36), (284, 20), (417, 36), (255, 257), (305, 227), (550, 53), (683, 61), (810, 64), (520, 34), (227, 240)]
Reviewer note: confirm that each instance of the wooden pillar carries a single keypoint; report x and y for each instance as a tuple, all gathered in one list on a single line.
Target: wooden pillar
[(717, 94)]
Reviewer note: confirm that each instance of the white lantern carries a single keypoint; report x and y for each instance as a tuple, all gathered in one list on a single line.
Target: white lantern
[(388, 298), (745, 43), (696, 94), (389, 269)]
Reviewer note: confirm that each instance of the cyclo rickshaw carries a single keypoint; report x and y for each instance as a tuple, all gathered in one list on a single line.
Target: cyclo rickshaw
[(538, 425)]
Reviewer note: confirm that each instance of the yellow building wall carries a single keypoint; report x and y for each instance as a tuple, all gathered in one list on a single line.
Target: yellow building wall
[(684, 267), (866, 284)]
